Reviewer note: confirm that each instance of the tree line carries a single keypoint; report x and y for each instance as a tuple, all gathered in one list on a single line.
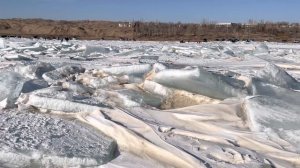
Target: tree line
[(279, 31)]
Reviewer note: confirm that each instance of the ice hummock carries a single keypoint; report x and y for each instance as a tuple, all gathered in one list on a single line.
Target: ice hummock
[(277, 76), (167, 124), (200, 81)]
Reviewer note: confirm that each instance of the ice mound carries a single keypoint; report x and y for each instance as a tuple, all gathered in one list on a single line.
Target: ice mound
[(11, 84), (36, 140), (62, 73), (277, 76), (200, 81), (35, 70), (277, 118)]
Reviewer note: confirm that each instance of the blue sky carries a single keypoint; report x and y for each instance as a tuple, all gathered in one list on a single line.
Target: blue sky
[(154, 10)]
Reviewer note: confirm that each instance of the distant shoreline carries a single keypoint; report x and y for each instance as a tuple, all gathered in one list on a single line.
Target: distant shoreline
[(149, 31)]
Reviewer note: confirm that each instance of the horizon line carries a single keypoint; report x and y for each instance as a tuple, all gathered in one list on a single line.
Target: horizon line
[(207, 21)]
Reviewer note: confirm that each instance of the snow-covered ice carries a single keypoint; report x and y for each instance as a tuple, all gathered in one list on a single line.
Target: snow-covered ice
[(34, 140), (149, 104)]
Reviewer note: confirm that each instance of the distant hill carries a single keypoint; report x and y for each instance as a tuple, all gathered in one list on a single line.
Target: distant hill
[(95, 30)]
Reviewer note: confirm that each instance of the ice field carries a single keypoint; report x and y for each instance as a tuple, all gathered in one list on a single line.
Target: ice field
[(118, 104)]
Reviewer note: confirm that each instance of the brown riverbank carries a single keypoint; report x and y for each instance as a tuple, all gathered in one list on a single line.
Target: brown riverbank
[(280, 32)]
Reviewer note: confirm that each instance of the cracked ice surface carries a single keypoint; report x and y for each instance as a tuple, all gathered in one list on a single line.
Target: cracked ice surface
[(37, 140), (149, 104)]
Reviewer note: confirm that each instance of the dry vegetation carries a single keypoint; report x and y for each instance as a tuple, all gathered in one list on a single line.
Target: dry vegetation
[(263, 31), (71, 29), (209, 31)]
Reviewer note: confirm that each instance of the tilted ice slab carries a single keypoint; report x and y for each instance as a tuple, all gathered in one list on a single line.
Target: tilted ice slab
[(62, 73), (261, 88), (17, 57), (35, 70), (130, 98), (277, 76), (277, 118), (174, 98), (261, 49), (11, 85), (2, 43), (46, 104), (99, 79), (35, 47), (187, 51), (77, 88), (210, 52), (156, 88), (55, 99), (228, 51), (34, 84), (94, 50), (200, 81), (129, 70), (67, 48), (34, 140)]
